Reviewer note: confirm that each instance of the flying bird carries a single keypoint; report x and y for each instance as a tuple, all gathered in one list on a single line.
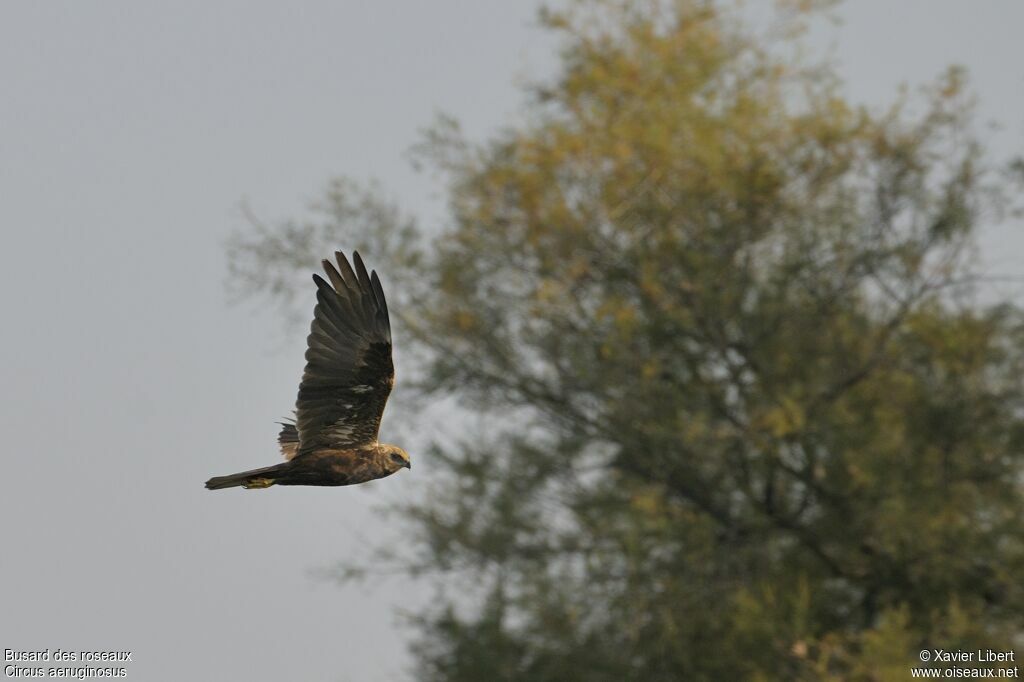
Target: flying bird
[(346, 383)]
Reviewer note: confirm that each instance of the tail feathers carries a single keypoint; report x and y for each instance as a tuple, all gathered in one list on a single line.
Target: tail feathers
[(256, 478)]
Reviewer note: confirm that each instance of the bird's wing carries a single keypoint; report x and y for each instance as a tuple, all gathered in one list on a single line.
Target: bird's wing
[(349, 373), (288, 440)]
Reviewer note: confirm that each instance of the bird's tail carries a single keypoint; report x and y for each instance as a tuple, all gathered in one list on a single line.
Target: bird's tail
[(256, 478)]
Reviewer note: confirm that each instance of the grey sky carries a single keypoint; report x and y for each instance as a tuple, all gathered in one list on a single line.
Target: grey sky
[(129, 132)]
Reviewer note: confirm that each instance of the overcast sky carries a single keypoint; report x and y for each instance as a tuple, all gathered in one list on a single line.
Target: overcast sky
[(129, 134)]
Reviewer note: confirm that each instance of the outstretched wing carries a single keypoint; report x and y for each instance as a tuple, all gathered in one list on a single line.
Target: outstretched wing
[(349, 373)]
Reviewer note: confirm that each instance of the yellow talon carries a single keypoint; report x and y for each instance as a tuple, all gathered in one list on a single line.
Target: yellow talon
[(258, 483)]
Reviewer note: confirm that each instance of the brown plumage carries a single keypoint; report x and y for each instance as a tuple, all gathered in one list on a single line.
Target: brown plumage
[(346, 384)]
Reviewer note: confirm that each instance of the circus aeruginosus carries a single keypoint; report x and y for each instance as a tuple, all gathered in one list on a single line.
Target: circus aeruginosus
[(348, 377)]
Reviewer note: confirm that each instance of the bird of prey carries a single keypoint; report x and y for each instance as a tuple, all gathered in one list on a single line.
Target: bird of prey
[(344, 388)]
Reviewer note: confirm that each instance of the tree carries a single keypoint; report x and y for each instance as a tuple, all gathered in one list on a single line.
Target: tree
[(745, 416)]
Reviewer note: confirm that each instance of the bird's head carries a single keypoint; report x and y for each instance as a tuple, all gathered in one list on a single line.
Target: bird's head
[(397, 458)]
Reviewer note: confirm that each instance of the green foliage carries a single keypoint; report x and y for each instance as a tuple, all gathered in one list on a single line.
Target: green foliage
[(746, 418)]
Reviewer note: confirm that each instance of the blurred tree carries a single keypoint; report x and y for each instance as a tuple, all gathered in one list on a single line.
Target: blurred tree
[(745, 415)]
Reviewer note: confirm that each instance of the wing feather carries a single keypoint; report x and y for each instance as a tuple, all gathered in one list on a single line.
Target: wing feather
[(349, 372), (382, 303)]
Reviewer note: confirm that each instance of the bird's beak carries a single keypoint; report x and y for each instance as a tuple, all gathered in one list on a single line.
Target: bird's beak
[(408, 465)]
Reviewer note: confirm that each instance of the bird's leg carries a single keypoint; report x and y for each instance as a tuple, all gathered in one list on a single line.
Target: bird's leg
[(258, 483)]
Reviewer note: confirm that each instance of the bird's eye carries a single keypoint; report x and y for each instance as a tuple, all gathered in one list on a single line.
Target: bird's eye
[(395, 456)]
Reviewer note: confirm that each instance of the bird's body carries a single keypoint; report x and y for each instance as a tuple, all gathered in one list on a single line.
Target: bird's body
[(345, 386), (326, 467)]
